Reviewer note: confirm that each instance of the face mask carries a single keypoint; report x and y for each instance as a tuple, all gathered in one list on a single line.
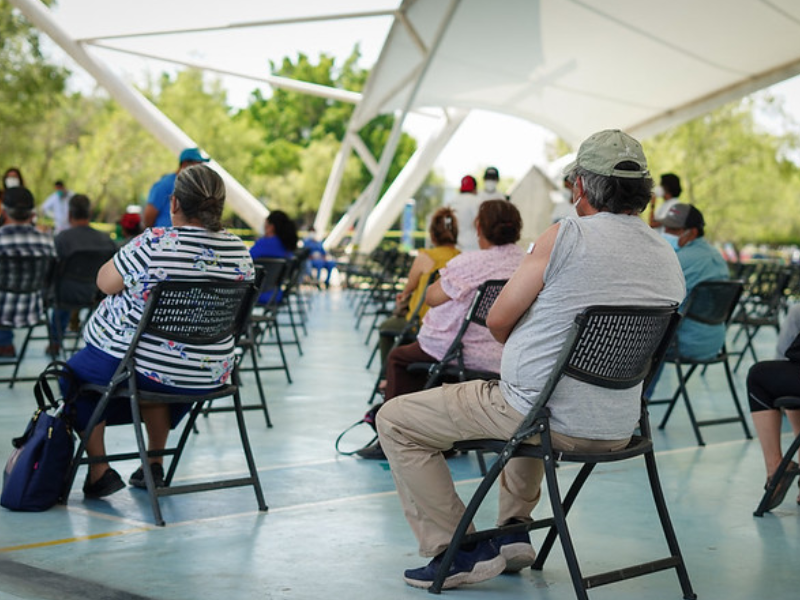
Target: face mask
[(12, 182), (658, 191), (61, 193), (672, 239), (490, 186), (567, 195)]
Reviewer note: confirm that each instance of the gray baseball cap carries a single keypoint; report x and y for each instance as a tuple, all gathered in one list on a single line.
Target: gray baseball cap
[(602, 152)]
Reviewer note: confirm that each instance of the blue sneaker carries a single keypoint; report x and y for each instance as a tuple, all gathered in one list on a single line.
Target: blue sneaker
[(517, 549), (480, 564)]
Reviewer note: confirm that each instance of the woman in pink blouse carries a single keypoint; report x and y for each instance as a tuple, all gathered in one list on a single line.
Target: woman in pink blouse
[(498, 224)]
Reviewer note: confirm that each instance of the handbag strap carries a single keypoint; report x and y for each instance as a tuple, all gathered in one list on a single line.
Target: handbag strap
[(56, 370)]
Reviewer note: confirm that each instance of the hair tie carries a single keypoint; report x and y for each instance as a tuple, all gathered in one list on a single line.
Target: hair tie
[(448, 222)]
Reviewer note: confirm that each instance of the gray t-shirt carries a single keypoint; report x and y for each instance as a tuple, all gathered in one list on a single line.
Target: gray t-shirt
[(601, 259)]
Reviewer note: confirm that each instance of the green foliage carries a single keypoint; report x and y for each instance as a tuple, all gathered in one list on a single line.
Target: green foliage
[(31, 87), (736, 171), (301, 135)]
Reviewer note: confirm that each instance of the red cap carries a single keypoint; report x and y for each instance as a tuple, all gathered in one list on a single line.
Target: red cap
[(468, 184)]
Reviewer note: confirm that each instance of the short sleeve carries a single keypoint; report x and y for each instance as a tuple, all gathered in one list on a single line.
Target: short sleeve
[(455, 277)]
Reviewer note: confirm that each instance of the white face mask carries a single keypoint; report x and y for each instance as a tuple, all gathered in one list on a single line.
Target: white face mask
[(658, 191), (490, 186), (567, 195), (12, 182)]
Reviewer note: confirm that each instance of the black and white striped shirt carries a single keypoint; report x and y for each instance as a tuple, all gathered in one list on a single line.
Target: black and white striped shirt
[(156, 255)]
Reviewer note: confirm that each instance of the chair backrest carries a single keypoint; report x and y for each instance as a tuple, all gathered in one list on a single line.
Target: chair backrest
[(478, 311), (75, 278), (274, 272), (713, 302), (200, 312), (25, 274), (616, 346)]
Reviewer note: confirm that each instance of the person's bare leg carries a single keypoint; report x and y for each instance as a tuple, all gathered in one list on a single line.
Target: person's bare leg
[(156, 421), (794, 421), (95, 446), (768, 429)]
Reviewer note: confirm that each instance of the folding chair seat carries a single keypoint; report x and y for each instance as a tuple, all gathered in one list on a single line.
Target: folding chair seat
[(613, 348), (712, 303), (25, 275), (761, 306), (200, 313), (792, 403), (75, 289)]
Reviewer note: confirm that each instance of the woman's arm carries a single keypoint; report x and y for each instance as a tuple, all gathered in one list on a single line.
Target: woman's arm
[(522, 289), (422, 264), (435, 295), (109, 280)]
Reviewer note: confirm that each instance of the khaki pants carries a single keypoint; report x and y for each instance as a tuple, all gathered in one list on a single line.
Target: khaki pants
[(414, 429)]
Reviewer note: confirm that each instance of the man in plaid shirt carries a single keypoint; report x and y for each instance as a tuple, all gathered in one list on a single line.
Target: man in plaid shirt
[(19, 237)]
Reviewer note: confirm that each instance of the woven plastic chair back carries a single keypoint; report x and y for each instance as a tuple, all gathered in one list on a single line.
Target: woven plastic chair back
[(484, 299), (198, 312), (615, 346), (713, 302), (25, 274)]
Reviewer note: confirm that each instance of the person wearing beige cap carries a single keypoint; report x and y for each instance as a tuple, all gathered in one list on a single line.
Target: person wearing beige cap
[(607, 256)]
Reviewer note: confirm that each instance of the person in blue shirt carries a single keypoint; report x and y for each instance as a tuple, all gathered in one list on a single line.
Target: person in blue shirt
[(318, 258), (684, 229), (279, 241), (156, 213)]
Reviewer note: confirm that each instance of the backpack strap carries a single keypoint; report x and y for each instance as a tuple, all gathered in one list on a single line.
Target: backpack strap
[(57, 370)]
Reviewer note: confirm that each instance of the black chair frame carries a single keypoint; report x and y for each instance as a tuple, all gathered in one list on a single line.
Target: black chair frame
[(712, 303), (616, 348), (197, 312)]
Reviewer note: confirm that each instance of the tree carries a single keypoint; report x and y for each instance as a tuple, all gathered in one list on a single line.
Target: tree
[(735, 170), (301, 135), (31, 87)]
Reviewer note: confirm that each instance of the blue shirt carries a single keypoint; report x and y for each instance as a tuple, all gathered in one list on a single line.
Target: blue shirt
[(700, 261), (269, 247), (159, 197)]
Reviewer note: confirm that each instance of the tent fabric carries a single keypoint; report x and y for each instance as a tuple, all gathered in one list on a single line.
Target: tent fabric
[(578, 66)]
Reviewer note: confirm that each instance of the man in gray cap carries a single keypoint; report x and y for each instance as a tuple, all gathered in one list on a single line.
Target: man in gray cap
[(19, 237), (156, 213), (607, 256), (684, 229)]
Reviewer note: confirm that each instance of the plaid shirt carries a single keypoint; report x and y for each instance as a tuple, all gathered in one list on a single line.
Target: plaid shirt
[(23, 310)]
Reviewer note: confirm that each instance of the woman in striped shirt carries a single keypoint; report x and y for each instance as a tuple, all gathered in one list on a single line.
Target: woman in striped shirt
[(195, 247)]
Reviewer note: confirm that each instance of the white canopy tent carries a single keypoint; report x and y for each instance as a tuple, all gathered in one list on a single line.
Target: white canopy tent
[(573, 66)]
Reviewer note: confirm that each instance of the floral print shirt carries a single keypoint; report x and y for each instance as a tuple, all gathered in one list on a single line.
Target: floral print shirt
[(158, 254)]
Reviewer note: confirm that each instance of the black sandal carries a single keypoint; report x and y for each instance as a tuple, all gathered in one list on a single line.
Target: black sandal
[(779, 493)]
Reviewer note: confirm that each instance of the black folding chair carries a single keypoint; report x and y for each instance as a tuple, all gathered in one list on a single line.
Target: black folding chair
[(761, 304), (712, 303), (609, 347), (264, 320), (22, 276), (790, 403), (75, 289), (200, 313), (451, 367)]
